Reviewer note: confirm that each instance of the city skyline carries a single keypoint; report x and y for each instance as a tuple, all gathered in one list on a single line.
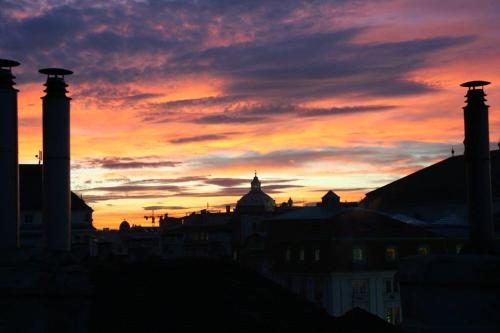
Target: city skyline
[(174, 111)]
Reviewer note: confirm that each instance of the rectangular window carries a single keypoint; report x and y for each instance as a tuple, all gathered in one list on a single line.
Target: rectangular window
[(391, 253), (393, 314), (423, 250), (288, 254), (388, 286), (359, 288), (317, 255), (302, 255), (319, 292), (357, 254)]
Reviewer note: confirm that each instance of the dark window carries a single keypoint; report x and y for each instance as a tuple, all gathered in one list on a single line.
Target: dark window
[(360, 288), (318, 292), (391, 286), (388, 286), (28, 219)]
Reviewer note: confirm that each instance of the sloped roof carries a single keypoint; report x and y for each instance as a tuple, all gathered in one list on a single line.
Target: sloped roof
[(348, 223), (330, 194), (361, 223), (307, 213), (443, 181), (208, 218), (30, 189), (255, 201)]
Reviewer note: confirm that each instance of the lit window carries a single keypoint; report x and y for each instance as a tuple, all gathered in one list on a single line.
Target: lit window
[(302, 255), (317, 255), (391, 253), (423, 250), (393, 314), (357, 254), (288, 254)]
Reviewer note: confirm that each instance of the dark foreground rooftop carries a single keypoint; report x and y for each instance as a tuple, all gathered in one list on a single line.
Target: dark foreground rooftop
[(201, 296)]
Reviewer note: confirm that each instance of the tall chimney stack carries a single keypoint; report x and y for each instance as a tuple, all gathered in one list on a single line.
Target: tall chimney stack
[(478, 168), (56, 161), (9, 167)]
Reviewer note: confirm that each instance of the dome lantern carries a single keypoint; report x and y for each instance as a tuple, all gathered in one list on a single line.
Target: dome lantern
[(255, 185)]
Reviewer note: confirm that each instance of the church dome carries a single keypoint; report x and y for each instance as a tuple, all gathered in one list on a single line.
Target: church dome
[(124, 226), (255, 201)]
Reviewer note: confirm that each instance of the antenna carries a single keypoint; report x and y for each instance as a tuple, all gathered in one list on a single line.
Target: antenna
[(152, 217)]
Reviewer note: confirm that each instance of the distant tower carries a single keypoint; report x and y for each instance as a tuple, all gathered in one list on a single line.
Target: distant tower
[(56, 161), (9, 167), (452, 152), (478, 168)]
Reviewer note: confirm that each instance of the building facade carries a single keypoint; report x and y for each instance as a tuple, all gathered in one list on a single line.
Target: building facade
[(345, 258)]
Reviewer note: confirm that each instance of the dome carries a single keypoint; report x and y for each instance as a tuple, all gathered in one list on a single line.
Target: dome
[(255, 201), (124, 226)]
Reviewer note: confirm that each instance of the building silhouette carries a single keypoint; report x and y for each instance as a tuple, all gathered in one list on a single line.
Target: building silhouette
[(435, 197), (256, 201), (31, 226)]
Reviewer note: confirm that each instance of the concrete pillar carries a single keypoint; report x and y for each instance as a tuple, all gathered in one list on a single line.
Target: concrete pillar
[(9, 167), (56, 161), (478, 169)]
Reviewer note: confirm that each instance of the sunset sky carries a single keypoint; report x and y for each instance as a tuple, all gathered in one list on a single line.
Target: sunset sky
[(176, 103)]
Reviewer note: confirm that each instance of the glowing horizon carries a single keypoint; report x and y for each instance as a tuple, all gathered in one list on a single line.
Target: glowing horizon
[(175, 104)]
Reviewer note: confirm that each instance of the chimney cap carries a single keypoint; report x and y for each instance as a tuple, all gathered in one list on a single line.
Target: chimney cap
[(8, 63), (473, 84), (55, 71)]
